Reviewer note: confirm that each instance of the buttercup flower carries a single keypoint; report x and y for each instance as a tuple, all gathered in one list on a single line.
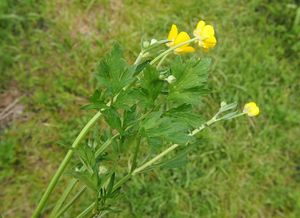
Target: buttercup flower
[(176, 39), (251, 109), (206, 35)]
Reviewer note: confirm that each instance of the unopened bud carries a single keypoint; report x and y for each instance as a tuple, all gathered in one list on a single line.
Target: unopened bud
[(153, 41), (171, 79), (146, 44), (223, 103), (102, 170)]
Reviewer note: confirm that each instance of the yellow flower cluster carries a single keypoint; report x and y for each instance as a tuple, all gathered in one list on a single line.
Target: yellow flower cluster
[(204, 36), (251, 109)]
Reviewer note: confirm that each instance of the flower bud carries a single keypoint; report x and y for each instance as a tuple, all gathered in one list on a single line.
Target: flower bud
[(153, 41), (146, 44), (102, 170), (171, 79), (223, 104)]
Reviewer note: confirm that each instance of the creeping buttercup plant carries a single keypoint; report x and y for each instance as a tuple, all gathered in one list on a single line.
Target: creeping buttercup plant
[(148, 104)]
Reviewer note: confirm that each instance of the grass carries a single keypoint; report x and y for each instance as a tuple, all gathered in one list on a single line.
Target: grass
[(243, 168)]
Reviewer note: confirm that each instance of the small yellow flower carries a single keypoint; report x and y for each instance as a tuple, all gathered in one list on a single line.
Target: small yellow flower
[(176, 39), (251, 109), (206, 35)]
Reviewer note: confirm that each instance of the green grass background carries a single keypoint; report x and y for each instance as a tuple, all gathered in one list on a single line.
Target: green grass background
[(243, 168)]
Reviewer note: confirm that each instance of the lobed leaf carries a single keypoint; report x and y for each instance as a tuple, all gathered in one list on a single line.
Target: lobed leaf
[(191, 79), (113, 73)]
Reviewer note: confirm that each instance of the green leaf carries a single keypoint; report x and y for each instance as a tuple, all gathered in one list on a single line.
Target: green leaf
[(111, 183), (130, 117), (230, 115), (97, 101), (191, 81), (112, 117), (127, 99), (87, 179), (158, 128), (113, 72), (185, 114), (227, 107), (139, 68), (151, 84), (96, 96), (86, 155)]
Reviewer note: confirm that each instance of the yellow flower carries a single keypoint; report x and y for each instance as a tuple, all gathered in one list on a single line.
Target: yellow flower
[(206, 35), (176, 39), (251, 109)]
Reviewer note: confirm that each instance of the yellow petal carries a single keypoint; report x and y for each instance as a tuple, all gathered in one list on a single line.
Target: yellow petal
[(173, 33), (183, 50), (200, 25), (208, 30), (250, 104), (209, 42), (182, 37)]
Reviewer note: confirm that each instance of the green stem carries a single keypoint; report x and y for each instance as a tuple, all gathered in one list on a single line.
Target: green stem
[(86, 211), (173, 147), (63, 198), (122, 181), (116, 186), (172, 49), (161, 61), (139, 58), (63, 165), (65, 208), (153, 160), (105, 145), (136, 151), (69, 155), (74, 181)]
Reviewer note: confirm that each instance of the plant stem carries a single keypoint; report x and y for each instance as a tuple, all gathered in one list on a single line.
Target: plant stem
[(139, 58), (172, 49), (135, 155), (70, 153), (161, 61), (74, 181), (105, 145), (86, 211), (122, 181), (153, 160), (63, 165), (63, 198), (66, 207), (150, 162)]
